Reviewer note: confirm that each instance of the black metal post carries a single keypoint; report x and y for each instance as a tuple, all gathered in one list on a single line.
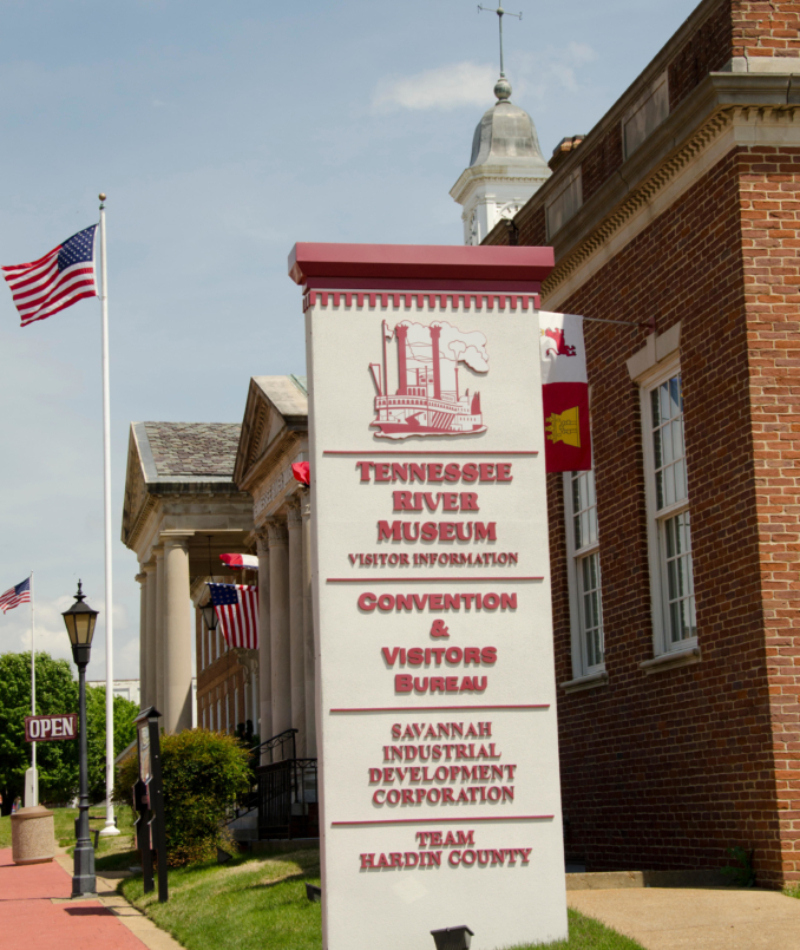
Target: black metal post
[(83, 879)]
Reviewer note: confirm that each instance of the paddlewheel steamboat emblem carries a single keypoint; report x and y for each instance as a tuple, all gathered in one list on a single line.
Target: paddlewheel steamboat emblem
[(429, 398)]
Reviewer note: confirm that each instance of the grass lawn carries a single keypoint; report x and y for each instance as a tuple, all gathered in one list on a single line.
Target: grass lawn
[(112, 853), (260, 902)]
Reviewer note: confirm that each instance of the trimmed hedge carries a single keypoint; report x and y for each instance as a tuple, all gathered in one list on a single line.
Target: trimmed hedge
[(203, 773)]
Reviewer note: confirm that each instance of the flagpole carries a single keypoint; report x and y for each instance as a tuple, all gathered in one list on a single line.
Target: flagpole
[(33, 697), (110, 826)]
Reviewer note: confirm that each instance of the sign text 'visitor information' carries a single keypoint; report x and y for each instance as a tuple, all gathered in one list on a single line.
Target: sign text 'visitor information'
[(440, 801)]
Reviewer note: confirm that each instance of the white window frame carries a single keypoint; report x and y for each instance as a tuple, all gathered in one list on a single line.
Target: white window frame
[(657, 518), (581, 668)]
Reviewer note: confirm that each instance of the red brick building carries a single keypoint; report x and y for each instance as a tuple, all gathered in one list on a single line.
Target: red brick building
[(675, 563)]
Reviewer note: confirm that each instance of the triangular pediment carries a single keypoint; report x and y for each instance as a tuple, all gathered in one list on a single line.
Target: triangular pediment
[(135, 488), (275, 406)]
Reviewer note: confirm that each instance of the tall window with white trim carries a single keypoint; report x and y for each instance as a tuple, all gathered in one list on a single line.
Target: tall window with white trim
[(668, 501), (583, 550)]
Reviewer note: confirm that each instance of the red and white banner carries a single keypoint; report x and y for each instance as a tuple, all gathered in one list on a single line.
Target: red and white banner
[(244, 562), (565, 393)]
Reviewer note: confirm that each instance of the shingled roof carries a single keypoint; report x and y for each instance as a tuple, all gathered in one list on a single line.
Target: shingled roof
[(181, 451)]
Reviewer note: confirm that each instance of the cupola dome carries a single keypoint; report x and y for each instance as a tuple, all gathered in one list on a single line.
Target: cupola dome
[(506, 166)]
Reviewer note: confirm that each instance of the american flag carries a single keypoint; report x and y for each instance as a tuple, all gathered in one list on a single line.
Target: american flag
[(14, 596), (237, 610), (55, 281)]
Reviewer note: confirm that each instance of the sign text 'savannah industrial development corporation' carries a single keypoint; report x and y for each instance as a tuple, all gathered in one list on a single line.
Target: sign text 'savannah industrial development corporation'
[(440, 800)]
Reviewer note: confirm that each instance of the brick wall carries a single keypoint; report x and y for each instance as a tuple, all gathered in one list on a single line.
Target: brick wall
[(770, 201), (766, 27), (669, 769), (602, 161), (709, 50)]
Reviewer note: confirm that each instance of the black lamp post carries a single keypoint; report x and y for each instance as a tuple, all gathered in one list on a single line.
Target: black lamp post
[(80, 620)]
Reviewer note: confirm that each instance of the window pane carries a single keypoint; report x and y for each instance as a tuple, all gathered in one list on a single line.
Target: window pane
[(668, 443), (679, 592), (584, 510), (591, 622)]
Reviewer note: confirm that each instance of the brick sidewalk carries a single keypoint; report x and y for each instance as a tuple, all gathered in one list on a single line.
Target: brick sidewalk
[(33, 917)]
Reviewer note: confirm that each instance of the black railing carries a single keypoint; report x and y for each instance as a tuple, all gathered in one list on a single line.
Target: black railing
[(287, 799), (275, 749)]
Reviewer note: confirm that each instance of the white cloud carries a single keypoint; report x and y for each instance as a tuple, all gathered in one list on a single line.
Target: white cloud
[(447, 87), (552, 70), (581, 53)]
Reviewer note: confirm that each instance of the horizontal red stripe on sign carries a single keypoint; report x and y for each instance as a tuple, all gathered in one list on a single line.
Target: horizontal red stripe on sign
[(369, 453), (414, 709), (417, 580), (425, 821)]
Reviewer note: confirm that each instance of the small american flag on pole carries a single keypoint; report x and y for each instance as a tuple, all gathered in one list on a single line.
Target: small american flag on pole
[(14, 596), (57, 280), (237, 610)]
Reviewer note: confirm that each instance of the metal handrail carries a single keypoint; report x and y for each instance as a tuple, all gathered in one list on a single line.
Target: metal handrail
[(269, 745)]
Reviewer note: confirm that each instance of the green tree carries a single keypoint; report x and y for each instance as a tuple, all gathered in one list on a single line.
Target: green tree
[(57, 762), (56, 693), (125, 711)]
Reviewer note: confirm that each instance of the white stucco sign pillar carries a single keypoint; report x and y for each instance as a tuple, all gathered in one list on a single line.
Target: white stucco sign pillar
[(440, 802)]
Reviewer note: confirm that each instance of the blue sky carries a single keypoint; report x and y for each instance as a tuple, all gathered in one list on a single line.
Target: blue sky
[(223, 134)]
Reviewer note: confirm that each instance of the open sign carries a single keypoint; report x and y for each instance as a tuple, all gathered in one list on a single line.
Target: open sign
[(50, 728)]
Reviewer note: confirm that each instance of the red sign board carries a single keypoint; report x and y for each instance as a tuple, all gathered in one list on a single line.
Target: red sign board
[(51, 728)]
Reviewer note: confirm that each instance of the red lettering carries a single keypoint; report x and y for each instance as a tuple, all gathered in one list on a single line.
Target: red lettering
[(469, 501), (403, 683)]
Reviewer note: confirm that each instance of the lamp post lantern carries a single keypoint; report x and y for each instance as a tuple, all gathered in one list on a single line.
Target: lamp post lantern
[(80, 620)]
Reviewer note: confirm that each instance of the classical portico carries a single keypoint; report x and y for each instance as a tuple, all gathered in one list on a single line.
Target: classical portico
[(182, 510), (274, 436)]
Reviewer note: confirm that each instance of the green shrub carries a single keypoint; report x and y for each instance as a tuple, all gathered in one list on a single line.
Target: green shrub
[(203, 772)]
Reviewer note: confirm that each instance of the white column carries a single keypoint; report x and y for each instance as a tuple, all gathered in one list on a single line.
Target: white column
[(142, 578), (160, 652), (264, 726), (148, 696), (279, 627), (309, 652), (296, 647), (178, 639)]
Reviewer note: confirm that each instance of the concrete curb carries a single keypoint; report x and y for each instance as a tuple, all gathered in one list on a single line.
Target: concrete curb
[(135, 920), (611, 880)]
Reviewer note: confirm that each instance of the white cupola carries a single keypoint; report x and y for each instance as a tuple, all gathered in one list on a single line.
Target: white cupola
[(506, 167)]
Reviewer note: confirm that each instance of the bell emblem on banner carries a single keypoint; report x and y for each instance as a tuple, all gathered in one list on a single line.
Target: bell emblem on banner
[(565, 427)]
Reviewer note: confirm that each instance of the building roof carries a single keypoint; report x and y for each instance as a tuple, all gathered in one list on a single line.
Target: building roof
[(506, 135), (289, 394), (187, 451)]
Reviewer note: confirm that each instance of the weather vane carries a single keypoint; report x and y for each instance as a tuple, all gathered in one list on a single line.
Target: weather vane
[(500, 14)]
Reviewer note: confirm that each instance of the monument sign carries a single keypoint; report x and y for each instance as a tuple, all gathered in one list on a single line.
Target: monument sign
[(440, 803)]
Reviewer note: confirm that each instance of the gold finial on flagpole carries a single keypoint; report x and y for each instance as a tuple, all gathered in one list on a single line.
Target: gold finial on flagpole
[(102, 197)]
